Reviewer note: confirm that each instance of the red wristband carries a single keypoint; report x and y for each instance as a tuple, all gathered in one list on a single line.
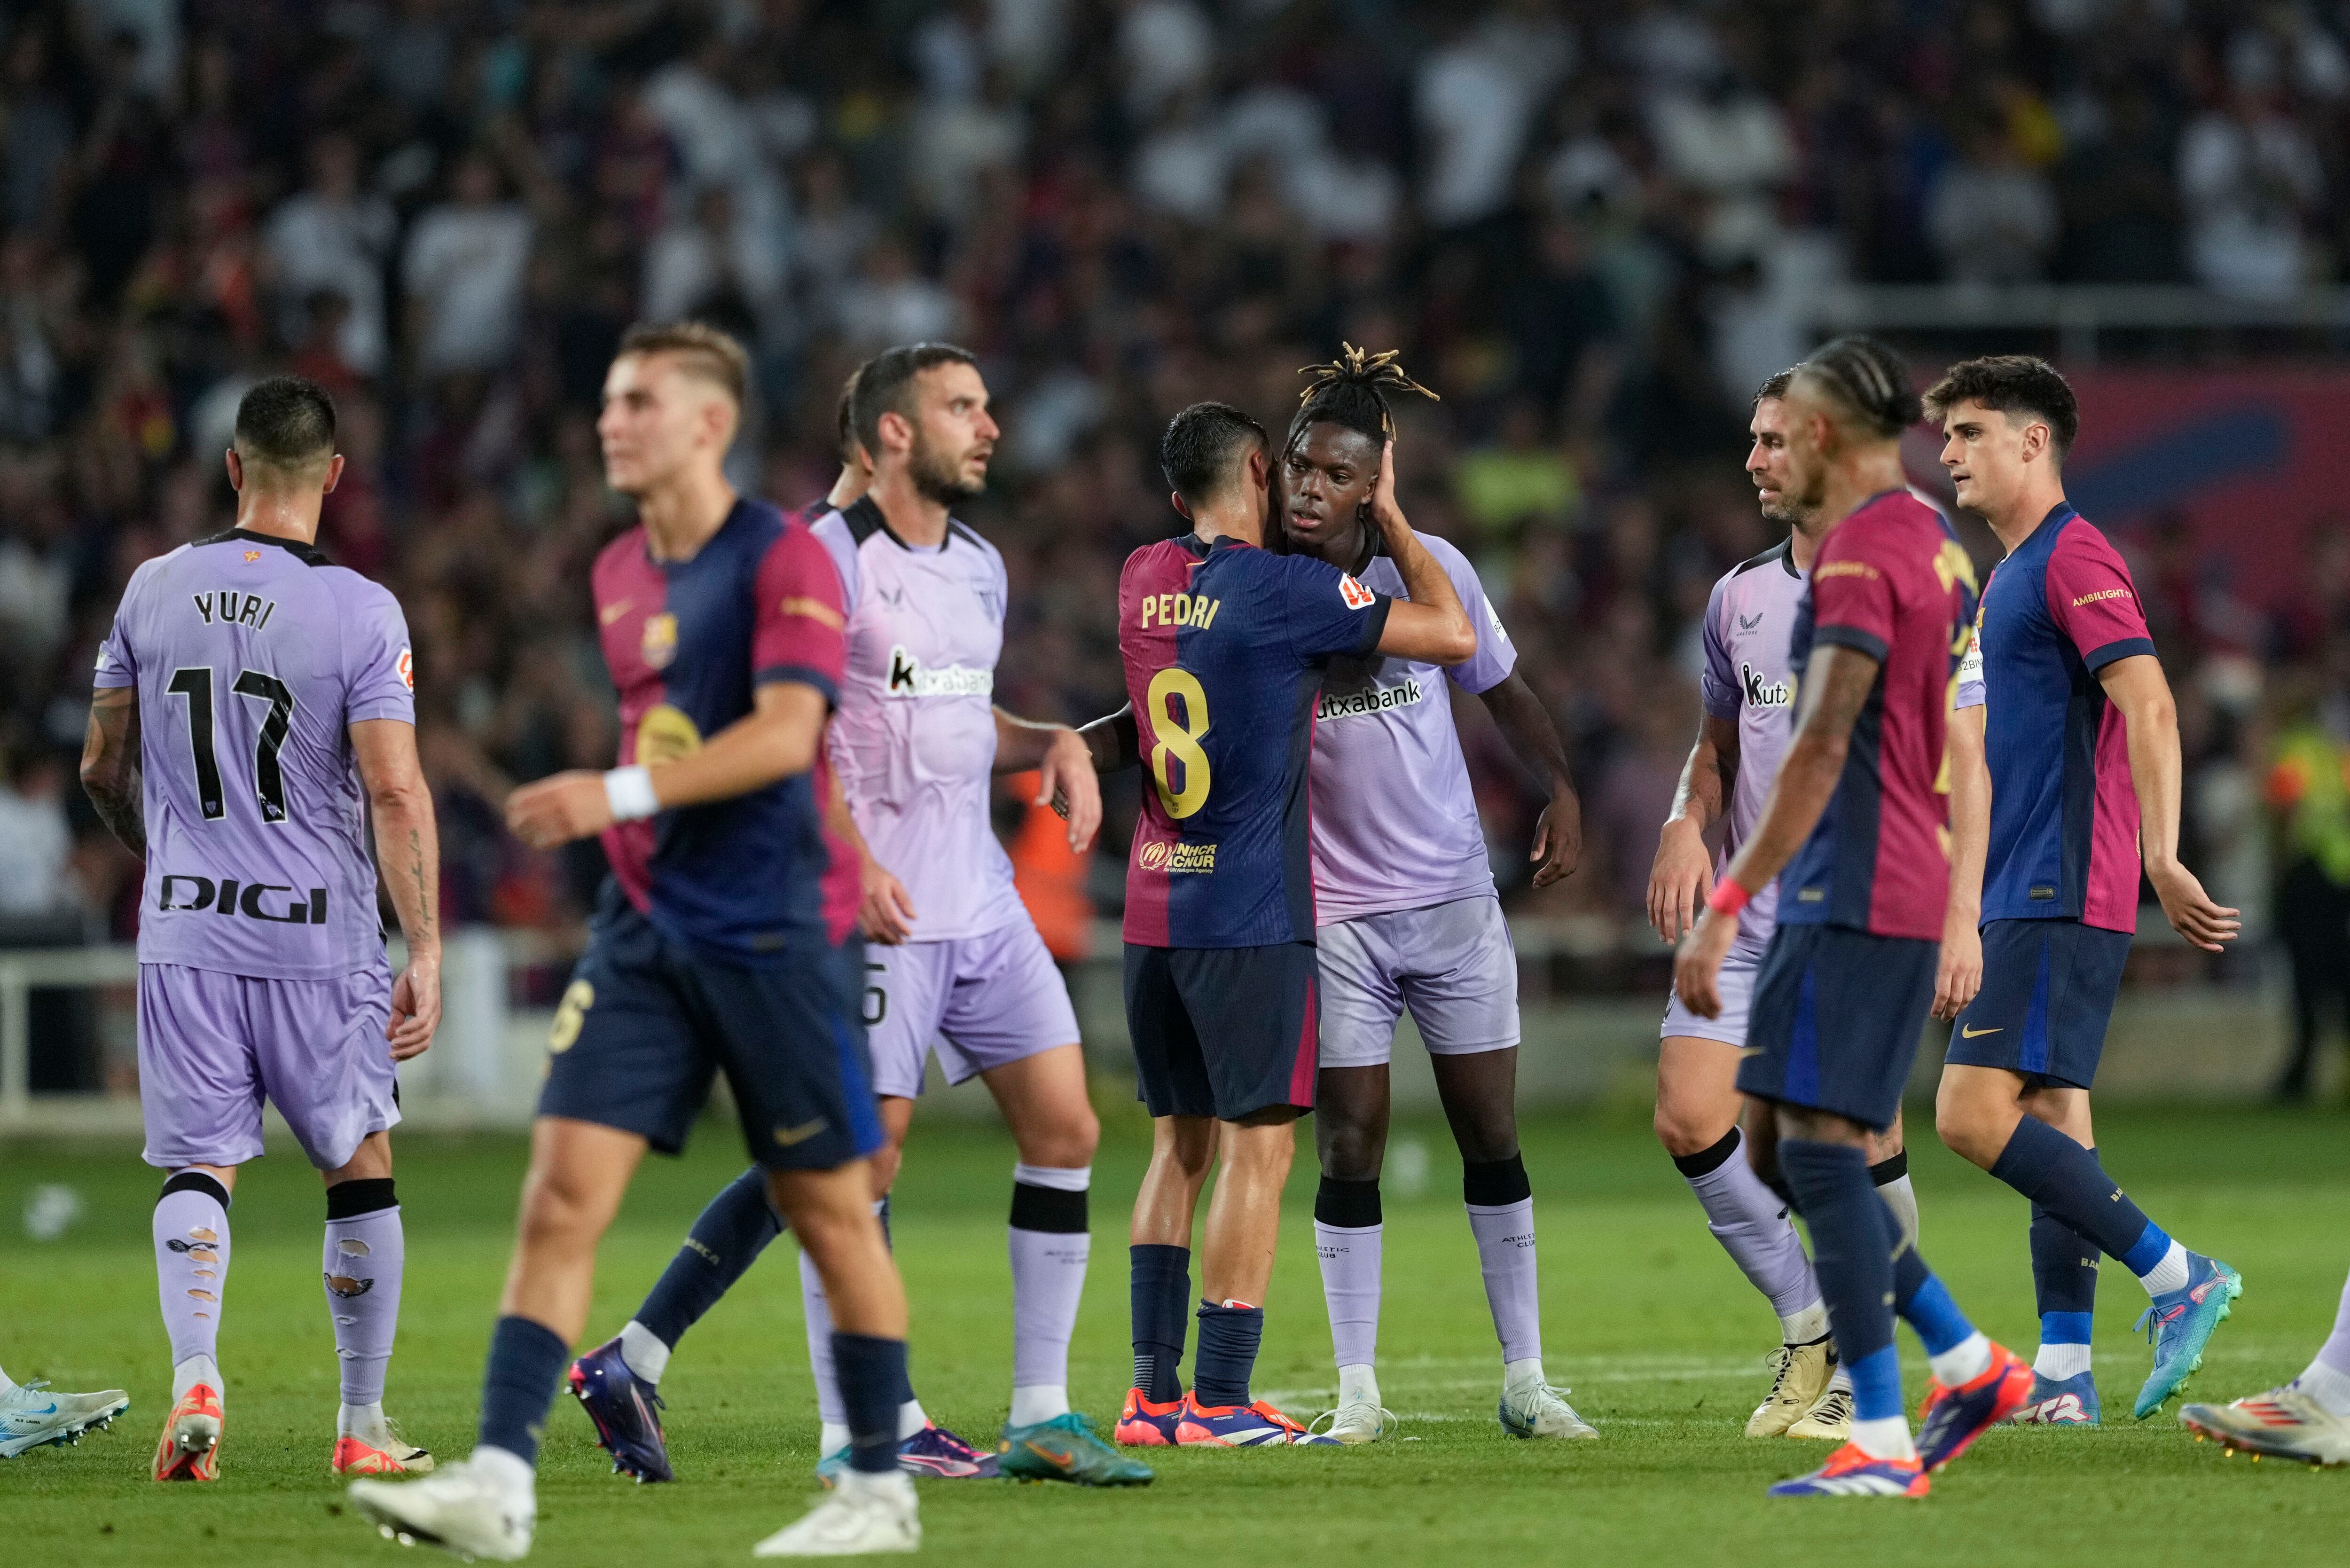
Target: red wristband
[(1727, 897)]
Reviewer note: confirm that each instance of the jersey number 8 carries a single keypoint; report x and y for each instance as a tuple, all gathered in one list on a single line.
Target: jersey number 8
[(1179, 739)]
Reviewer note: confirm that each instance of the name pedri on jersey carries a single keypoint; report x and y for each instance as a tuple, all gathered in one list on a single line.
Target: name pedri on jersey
[(1892, 581), (688, 643), (1395, 818), (2064, 815), (252, 656), (914, 742), (1224, 647)]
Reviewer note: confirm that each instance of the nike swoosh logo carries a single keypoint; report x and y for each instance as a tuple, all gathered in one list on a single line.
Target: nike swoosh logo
[(1970, 1033), (787, 1137)]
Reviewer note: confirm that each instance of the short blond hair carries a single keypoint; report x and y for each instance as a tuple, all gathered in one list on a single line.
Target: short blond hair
[(702, 349)]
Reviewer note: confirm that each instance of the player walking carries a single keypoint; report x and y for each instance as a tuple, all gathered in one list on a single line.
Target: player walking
[(2082, 749), (255, 706), (1225, 646), (1857, 821), (1748, 686), (714, 948), (961, 968), (1404, 894)]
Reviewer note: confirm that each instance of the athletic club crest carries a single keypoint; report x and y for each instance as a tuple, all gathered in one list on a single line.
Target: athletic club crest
[(659, 644)]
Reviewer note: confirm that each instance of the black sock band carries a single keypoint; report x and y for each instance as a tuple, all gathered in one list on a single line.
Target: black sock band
[(1349, 1205), (1495, 1183), (1047, 1209), (195, 1182), (1886, 1172), (1705, 1161), (349, 1200)]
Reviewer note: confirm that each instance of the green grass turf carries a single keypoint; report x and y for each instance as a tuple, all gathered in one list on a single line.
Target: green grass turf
[(1661, 1340)]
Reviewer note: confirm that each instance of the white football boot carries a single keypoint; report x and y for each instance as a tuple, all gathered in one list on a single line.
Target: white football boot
[(863, 1513), (1800, 1374), (34, 1414), (464, 1506), (1531, 1408)]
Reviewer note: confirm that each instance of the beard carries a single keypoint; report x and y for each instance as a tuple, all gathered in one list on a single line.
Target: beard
[(938, 477)]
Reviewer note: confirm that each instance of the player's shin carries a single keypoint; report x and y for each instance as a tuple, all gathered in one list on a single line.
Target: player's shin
[(1348, 1230), (816, 1313), (1230, 1334), (1050, 1245), (2064, 1288), (1852, 1247), (366, 1256), (1752, 1225), (732, 1230), (872, 1370), (192, 1255), (526, 1363), (2053, 1171), (1891, 1176), (1958, 1350), (2327, 1380), (1500, 1207), (1160, 1302)]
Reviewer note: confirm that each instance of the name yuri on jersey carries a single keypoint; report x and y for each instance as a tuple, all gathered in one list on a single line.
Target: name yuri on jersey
[(235, 608), (909, 678)]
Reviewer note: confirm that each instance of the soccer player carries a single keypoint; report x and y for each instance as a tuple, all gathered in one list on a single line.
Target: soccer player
[(958, 966), (2083, 751), (2307, 1419), (713, 949), (1225, 645), (1748, 686), (1857, 821), (34, 1414), (255, 705), (1403, 892)]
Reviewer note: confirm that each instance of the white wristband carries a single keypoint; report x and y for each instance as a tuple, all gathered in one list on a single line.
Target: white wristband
[(630, 792)]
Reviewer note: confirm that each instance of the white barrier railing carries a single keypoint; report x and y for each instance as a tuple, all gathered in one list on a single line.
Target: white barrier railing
[(2077, 313)]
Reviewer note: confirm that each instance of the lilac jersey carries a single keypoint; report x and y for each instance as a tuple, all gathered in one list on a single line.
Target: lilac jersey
[(253, 656), (914, 738), (1749, 681), (1395, 820)]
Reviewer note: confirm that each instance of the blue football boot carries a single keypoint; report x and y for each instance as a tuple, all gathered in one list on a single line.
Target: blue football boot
[(2180, 1323), (627, 1413), (2060, 1402)]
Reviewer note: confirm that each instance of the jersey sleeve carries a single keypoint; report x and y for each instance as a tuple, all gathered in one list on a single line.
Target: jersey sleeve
[(1496, 656), (800, 617), (1326, 611), (1852, 596), (116, 666), (832, 532), (2092, 599), (1717, 682), (378, 668)]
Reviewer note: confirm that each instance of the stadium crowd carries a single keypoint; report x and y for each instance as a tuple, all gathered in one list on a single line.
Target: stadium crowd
[(1586, 227)]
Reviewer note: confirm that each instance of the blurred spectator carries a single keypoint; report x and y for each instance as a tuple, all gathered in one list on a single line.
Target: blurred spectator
[(2248, 176), (1991, 215), (332, 238), (35, 843), (464, 271), (2309, 790)]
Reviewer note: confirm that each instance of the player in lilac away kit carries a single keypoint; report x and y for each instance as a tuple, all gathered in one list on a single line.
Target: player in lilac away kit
[(720, 942), (255, 704), (1225, 646), (1859, 822), (958, 967), (1407, 915), (2083, 769), (1748, 686)]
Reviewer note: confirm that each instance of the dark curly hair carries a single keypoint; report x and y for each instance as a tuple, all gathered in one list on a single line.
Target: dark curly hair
[(1870, 379), (1352, 391), (2011, 383)]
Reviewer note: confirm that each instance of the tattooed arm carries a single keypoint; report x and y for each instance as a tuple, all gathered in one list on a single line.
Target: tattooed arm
[(407, 849), (109, 765)]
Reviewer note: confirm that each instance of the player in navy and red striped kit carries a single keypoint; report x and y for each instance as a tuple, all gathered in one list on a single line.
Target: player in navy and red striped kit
[(722, 943), (1224, 644), (2082, 747), (1857, 833)]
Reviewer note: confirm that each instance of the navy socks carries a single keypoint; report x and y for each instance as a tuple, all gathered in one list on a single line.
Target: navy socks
[(872, 1371), (1852, 1253), (527, 1361), (1161, 1302), (729, 1236), (2064, 1179), (1228, 1337)]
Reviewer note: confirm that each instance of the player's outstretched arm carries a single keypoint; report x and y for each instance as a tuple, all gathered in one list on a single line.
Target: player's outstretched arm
[(776, 740), (1065, 768), (1526, 724), (1836, 689), (109, 765), (407, 849), (1957, 974), (1430, 625), (1682, 873), (2137, 687)]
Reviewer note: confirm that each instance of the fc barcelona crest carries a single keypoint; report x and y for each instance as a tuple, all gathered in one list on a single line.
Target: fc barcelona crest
[(659, 644)]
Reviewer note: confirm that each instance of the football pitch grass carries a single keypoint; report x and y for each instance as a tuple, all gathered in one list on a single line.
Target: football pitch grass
[(1661, 1341)]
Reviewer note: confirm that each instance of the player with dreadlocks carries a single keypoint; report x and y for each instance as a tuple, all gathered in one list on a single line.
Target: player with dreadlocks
[(1406, 912)]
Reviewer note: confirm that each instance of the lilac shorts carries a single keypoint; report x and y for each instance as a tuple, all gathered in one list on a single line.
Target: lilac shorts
[(979, 1001), (1452, 964), (212, 1046), (1737, 987)]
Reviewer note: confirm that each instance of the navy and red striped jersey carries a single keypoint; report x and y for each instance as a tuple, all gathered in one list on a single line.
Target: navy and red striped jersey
[(688, 643), (1224, 645), (1892, 581)]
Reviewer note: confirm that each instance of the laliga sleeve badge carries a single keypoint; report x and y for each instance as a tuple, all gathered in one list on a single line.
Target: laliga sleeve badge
[(406, 664), (1355, 595)]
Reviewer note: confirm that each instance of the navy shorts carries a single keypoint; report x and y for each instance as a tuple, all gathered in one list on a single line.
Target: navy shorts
[(1835, 1020), (647, 1024), (2048, 991), (1223, 1032)]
